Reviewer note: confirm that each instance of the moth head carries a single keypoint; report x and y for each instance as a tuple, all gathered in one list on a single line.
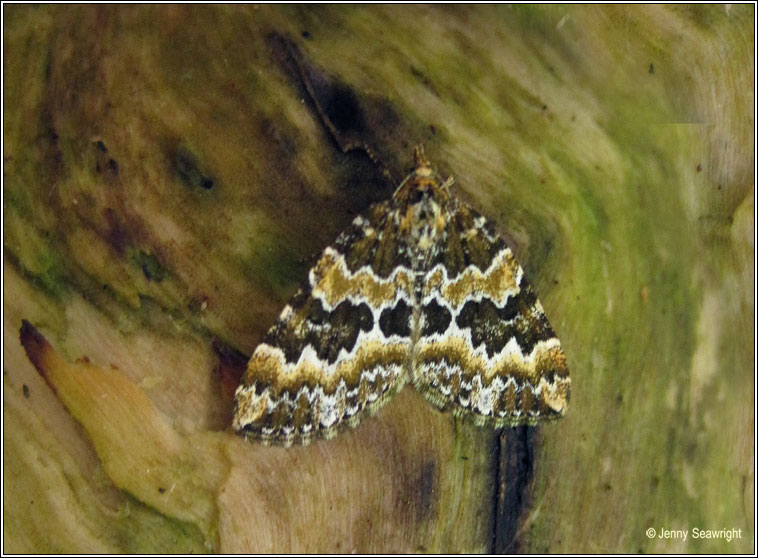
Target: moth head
[(422, 167), (423, 184)]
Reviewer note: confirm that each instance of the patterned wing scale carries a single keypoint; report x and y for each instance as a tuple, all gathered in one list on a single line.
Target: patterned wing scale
[(340, 347), (485, 347)]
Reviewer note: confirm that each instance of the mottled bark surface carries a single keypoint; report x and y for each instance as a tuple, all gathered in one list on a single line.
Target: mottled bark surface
[(168, 179)]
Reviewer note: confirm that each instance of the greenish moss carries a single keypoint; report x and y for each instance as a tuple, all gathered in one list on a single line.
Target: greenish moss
[(190, 172), (36, 252), (142, 530), (149, 264), (273, 263)]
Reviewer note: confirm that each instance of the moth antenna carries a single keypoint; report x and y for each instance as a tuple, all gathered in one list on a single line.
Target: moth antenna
[(420, 158)]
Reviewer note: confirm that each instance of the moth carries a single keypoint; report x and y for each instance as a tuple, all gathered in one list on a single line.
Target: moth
[(420, 289)]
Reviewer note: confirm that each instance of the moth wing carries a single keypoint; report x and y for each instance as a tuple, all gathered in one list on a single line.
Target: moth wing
[(341, 346), (485, 347)]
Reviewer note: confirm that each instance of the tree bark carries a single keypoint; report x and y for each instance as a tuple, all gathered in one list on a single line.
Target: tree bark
[(170, 172)]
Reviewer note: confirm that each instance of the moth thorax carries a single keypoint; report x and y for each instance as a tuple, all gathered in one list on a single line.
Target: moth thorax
[(428, 223)]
